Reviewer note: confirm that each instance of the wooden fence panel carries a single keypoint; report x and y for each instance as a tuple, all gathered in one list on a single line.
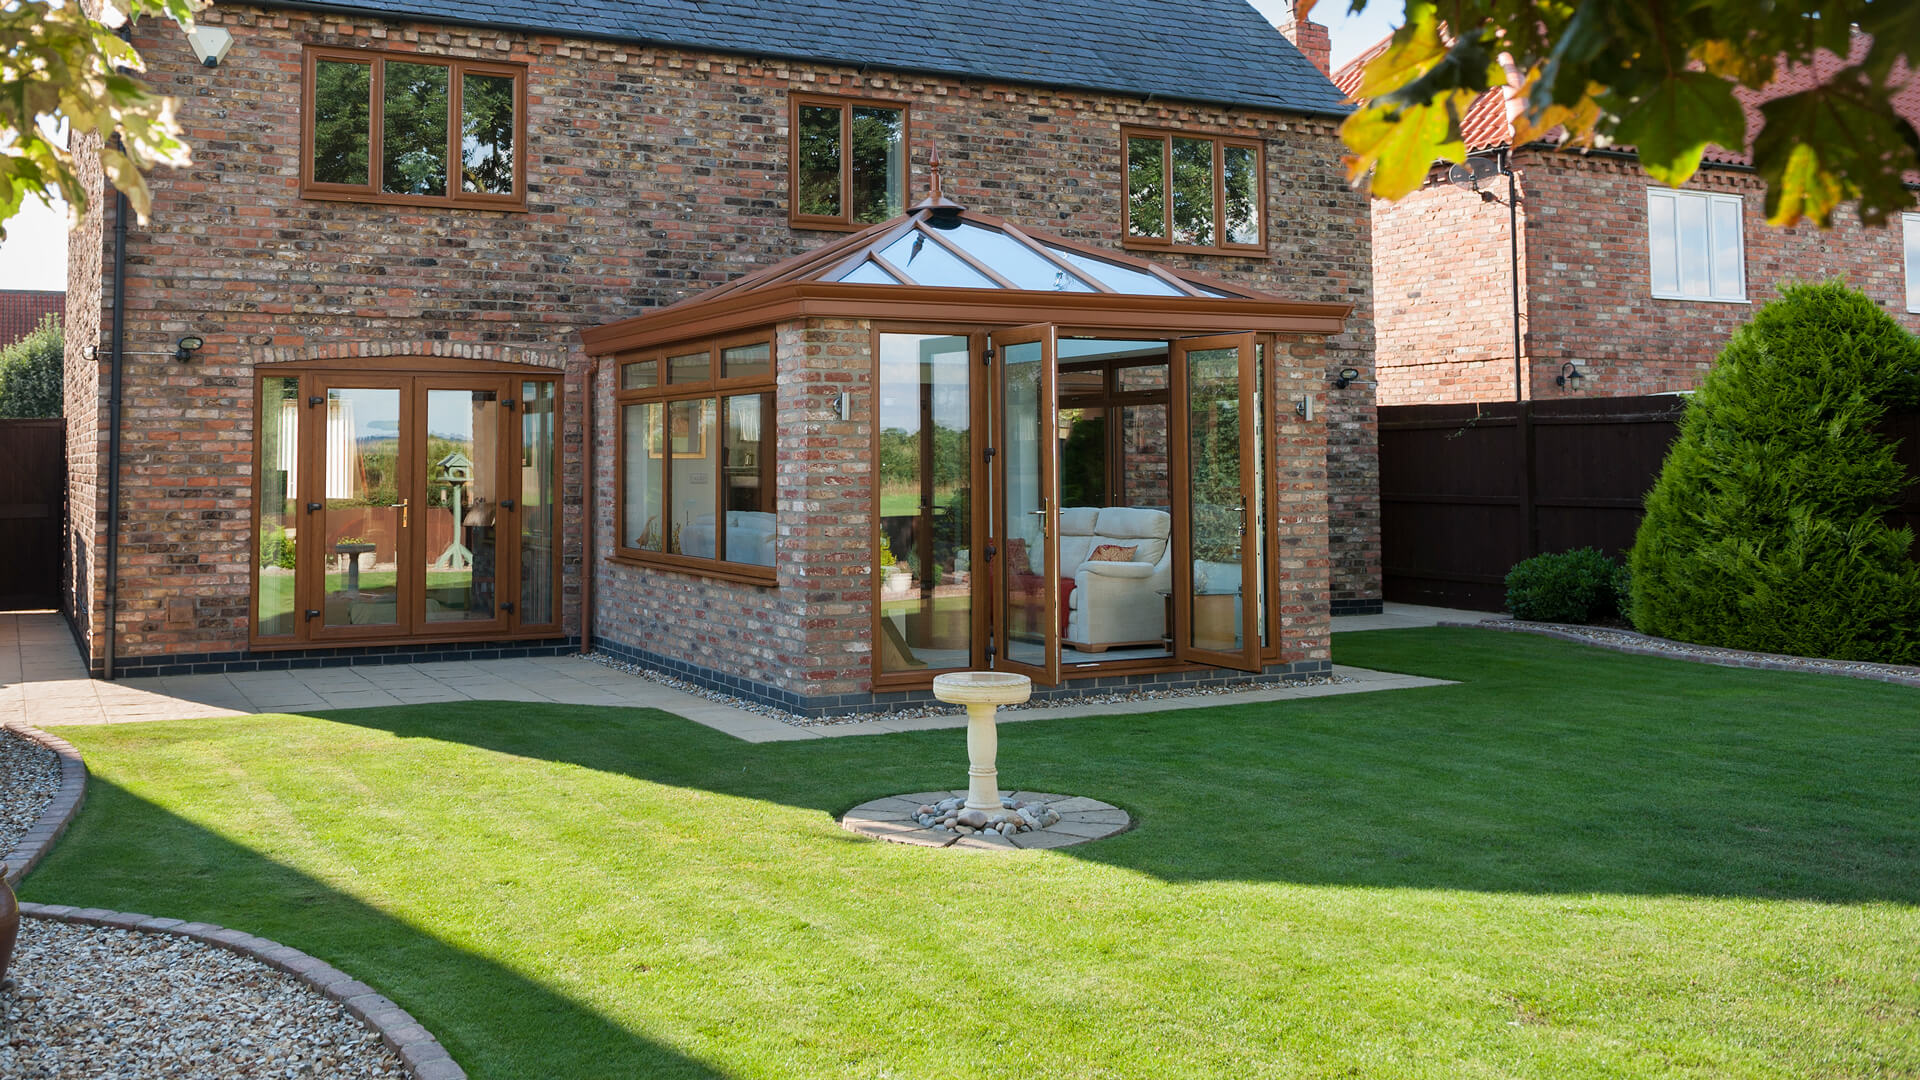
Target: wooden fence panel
[(33, 493)]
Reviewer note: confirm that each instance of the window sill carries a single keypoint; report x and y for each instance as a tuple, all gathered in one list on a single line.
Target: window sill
[(1701, 299), (830, 226), (765, 577), (1249, 252), (424, 202)]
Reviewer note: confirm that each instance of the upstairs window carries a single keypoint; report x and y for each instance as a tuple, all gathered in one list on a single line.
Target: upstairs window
[(1194, 192), (1910, 227), (849, 162), (1694, 246), (416, 130)]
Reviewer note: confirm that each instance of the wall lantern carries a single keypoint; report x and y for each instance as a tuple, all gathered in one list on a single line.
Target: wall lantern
[(184, 349), (1569, 375), (90, 352), (210, 44), (1347, 375)]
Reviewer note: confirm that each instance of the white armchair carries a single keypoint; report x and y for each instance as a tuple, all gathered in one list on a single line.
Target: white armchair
[(1116, 603)]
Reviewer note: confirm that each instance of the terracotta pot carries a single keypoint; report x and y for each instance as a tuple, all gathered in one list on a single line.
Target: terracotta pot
[(9, 922)]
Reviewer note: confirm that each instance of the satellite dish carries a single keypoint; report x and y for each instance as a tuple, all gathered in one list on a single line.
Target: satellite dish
[(1470, 172)]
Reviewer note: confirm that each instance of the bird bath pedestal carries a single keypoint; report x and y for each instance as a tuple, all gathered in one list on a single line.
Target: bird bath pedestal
[(982, 692)]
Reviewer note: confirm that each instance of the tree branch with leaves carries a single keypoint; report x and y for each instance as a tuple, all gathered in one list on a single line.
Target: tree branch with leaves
[(65, 74), (1656, 76)]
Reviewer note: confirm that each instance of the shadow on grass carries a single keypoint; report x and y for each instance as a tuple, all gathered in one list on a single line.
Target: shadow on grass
[(1555, 768), (494, 1021)]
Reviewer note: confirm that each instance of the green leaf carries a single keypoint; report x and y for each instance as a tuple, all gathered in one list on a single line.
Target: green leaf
[(1400, 145), (1841, 140), (1672, 126)]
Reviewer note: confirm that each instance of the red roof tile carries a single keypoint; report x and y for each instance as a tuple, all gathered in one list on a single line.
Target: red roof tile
[(21, 311)]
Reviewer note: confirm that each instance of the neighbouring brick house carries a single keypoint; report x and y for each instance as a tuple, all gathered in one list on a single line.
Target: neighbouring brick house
[(23, 310), (1635, 286), (653, 328)]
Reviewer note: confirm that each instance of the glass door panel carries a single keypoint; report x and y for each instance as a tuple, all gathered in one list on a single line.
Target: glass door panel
[(1215, 497), (1026, 508), (459, 513), (362, 560), (539, 526)]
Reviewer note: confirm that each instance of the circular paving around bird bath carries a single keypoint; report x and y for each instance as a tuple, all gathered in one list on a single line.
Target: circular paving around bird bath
[(901, 819)]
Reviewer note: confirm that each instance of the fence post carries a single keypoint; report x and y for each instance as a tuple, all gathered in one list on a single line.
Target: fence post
[(1529, 517)]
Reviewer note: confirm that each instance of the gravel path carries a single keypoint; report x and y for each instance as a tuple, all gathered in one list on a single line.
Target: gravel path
[(29, 775), (92, 1003), (1643, 645), (935, 708)]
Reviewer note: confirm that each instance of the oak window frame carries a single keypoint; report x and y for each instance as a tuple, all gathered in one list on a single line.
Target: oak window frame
[(371, 191), (666, 392), (1165, 242), (843, 221)]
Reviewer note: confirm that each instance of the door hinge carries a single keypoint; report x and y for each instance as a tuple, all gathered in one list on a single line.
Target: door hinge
[(314, 508), (315, 401), (986, 355), (506, 606), (991, 552), (506, 504), (987, 454), (507, 403), (311, 614), (990, 654)]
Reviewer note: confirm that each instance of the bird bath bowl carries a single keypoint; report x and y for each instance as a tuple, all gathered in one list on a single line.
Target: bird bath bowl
[(982, 692)]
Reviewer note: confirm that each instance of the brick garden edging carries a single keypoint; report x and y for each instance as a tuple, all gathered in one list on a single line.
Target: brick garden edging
[(59, 811), (418, 1049), (1639, 644)]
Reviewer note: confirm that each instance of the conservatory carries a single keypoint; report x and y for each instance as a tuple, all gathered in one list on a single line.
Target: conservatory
[(949, 442)]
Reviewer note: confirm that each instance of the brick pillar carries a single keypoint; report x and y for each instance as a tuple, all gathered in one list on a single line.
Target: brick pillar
[(1312, 40)]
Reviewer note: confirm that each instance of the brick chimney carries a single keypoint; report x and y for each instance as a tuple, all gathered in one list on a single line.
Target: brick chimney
[(1312, 40)]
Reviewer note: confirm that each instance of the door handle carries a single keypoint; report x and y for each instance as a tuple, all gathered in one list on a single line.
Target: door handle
[(402, 507)]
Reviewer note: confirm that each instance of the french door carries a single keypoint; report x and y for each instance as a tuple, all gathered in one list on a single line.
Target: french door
[(1025, 523), (1216, 494), (406, 506)]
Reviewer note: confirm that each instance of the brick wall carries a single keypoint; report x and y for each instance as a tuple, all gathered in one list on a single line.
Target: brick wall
[(1590, 289), (1443, 281), (653, 174), (1440, 270), (82, 589)]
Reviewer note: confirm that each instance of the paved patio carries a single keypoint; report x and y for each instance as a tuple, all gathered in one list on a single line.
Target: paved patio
[(44, 682)]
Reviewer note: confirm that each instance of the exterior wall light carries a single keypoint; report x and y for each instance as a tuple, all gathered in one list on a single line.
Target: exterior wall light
[(210, 44), (1347, 375), (90, 353), (184, 349), (1569, 375)]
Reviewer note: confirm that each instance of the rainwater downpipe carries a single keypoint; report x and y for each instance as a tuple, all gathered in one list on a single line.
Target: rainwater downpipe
[(591, 515), (116, 351), (1513, 255)]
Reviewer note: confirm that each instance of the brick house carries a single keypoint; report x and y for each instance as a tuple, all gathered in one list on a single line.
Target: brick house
[(23, 310), (1633, 286), (802, 350)]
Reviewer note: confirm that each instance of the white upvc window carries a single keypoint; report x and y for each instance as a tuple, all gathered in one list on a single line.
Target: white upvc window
[(1694, 246), (1910, 225)]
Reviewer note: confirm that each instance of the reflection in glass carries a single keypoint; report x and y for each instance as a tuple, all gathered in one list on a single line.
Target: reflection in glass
[(1024, 584), (1256, 535), (927, 263), (342, 121), (539, 510), (463, 505), (1193, 191), (924, 558), (693, 456), (690, 367), (1242, 183), (486, 134), (817, 162), (640, 375), (878, 164), (279, 534), (1143, 454), (1216, 513), (363, 528), (1083, 457), (749, 494), (746, 361), (1147, 187), (642, 469), (413, 134)]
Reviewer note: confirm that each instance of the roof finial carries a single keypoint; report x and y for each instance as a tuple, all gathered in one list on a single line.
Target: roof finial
[(944, 210)]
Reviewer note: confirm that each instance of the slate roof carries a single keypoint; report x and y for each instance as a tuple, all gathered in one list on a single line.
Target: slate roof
[(1214, 51)]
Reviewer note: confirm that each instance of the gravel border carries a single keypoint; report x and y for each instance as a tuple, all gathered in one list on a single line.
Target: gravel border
[(422, 1054), (58, 812), (936, 708), (1638, 644)]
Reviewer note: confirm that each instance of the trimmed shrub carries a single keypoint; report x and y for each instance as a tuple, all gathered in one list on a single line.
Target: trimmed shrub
[(32, 379), (1767, 528), (278, 549), (1570, 587)]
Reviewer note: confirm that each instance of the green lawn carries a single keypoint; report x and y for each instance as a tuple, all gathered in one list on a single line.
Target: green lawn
[(1575, 864)]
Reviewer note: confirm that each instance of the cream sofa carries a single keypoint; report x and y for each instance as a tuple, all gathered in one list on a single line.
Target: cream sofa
[(1113, 603)]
